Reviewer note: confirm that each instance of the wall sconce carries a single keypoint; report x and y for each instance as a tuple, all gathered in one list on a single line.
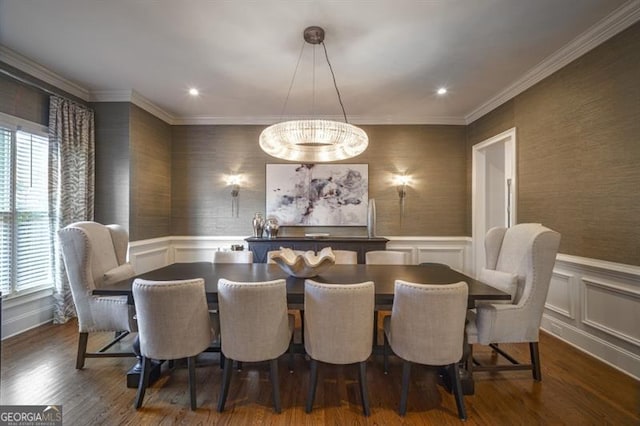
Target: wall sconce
[(234, 181), (401, 182)]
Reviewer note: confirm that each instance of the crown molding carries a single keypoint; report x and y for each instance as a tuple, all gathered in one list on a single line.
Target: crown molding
[(614, 23), (357, 120), (135, 98), (406, 119), (144, 103), (619, 20), (30, 67), (110, 96)]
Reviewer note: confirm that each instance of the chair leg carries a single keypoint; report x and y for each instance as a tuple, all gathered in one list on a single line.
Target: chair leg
[(301, 325), (291, 354), (191, 365), (143, 382), (385, 354), (222, 359), (535, 361), (275, 385), (364, 394), (226, 381), (457, 390), (375, 328), (469, 363), (406, 373), (313, 381), (82, 350)]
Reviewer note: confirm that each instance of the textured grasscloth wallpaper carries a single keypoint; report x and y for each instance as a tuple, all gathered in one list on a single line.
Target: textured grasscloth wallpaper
[(433, 155), (113, 163), (151, 176), (578, 144)]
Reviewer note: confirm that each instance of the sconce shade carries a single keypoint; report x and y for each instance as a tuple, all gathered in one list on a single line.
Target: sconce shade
[(311, 141), (314, 141)]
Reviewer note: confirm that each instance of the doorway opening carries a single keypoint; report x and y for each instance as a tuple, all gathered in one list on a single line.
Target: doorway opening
[(494, 188)]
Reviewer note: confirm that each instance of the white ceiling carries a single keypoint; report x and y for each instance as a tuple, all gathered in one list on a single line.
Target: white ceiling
[(389, 57)]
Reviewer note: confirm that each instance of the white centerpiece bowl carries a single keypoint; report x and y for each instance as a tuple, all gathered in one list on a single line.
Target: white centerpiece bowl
[(304, 265)]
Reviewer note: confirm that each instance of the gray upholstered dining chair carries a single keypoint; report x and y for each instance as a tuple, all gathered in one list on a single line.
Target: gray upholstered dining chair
[(295, 307), (173, 323), (96, 255), (426, 326), (343, 257), (254, 327), (346, 257), (339, 318), (386, 257), (519, 261), (226, 257), (233, 257)]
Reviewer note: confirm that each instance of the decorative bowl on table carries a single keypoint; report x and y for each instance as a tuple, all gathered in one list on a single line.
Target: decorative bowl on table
[(304, 265)]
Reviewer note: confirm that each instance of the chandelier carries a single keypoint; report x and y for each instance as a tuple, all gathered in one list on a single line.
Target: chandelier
[(314, 141)]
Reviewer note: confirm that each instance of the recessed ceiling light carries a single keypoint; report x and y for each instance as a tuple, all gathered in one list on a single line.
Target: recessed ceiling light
[(442, 91), (194, 92)]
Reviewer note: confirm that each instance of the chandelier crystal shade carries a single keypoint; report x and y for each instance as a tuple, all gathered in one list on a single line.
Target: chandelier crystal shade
[(311, 141), (314, 141)]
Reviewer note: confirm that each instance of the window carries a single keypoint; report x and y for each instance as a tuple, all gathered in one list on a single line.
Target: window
[(25, 256)]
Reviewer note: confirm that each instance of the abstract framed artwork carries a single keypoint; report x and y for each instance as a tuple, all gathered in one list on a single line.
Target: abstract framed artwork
[(318, 194)]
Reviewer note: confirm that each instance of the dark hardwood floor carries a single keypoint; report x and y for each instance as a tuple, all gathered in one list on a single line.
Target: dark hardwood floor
[(38, 368)]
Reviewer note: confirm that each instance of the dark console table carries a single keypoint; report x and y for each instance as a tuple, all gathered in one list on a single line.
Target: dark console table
[(260, 246)]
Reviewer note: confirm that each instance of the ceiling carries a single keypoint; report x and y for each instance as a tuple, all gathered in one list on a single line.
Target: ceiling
[(389, 57)]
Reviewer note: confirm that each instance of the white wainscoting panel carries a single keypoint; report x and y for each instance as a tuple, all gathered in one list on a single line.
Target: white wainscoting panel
[(200, 249), (595, 306), (147, 255), (452, 256), (601, 298), (561, 296), (453, 251)]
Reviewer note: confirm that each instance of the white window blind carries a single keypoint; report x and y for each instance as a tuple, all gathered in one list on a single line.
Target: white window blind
[(25, 256)]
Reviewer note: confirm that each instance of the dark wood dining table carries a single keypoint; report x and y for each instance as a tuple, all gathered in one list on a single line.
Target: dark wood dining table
[(383, 276)]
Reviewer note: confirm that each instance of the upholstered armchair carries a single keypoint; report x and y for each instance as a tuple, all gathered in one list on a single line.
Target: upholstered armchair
[(519, 261), (94, 256)]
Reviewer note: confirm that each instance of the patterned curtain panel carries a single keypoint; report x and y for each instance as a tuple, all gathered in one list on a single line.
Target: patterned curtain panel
[(71, 185)]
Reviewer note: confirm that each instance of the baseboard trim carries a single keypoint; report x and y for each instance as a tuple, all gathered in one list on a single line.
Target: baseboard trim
[(26, 316), (625, 361)]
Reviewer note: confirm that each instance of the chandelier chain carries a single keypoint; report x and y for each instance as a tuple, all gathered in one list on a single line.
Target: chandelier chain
[(293, 79), (313, 82), (326, 55)]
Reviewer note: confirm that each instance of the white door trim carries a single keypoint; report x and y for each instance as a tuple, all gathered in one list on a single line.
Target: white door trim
[(478, 189)]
